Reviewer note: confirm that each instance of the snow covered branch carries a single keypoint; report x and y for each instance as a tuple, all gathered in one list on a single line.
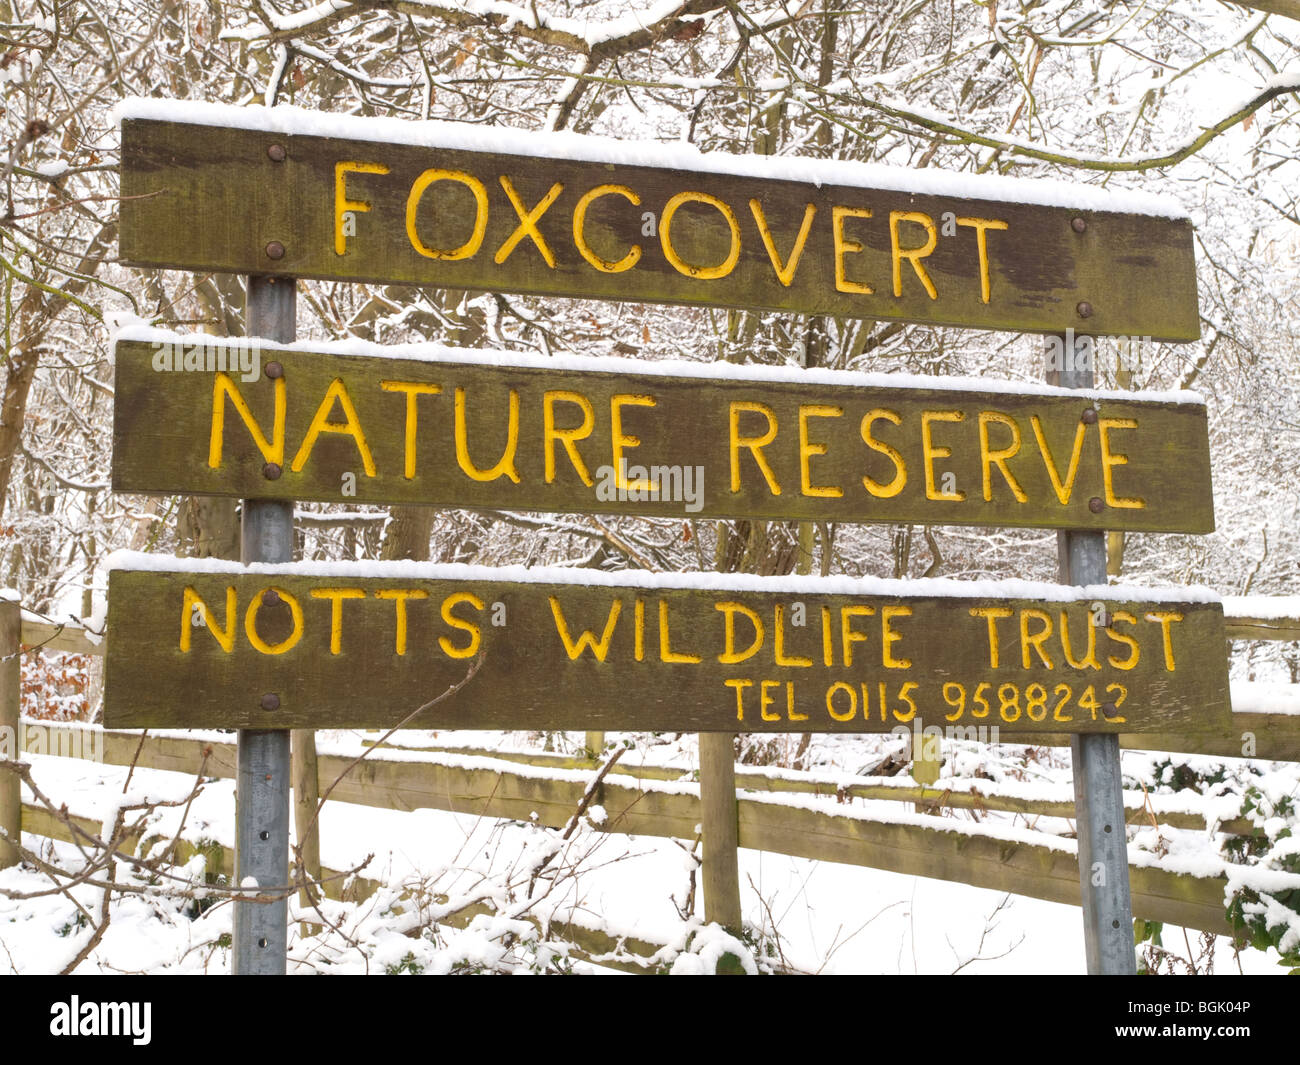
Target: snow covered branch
[(604, 40), (1281, 85)]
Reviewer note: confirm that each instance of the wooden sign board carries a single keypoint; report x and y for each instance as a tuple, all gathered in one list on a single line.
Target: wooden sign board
[(505, 432), (364, 647), (430, 207)]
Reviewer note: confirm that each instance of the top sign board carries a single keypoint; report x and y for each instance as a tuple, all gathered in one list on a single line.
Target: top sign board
[(579, 217)]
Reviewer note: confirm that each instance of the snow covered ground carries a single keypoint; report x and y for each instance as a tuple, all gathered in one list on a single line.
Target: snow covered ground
[(806, 916)]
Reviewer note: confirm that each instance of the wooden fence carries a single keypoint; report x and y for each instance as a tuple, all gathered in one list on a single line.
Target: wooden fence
[(655, 801)]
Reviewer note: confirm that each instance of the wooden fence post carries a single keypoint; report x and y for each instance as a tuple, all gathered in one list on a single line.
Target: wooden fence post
[(306, 797), (719, 821), (11, 806)]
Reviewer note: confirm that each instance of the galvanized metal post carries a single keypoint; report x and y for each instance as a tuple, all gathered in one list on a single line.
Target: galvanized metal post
[(1098, 791), (263, 770)]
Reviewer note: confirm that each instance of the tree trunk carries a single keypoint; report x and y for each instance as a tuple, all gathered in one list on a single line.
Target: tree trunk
[(32, 320), (407, 534)]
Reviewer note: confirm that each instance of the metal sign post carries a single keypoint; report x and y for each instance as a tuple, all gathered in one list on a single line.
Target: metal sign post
[(262, 774), (1098, 795)]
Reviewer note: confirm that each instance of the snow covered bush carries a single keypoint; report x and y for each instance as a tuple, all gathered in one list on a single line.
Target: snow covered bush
[(1262, 906)]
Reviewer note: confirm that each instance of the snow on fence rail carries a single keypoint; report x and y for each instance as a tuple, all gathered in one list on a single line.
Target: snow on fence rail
[(781, 811), (998, 857)]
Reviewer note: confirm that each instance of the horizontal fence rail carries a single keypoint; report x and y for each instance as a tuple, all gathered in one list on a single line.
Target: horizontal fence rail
[(1003, 859)]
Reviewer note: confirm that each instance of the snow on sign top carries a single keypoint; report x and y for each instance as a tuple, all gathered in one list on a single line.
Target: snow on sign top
[(463, 136), (138, 330), (703, 581), (309, 194)]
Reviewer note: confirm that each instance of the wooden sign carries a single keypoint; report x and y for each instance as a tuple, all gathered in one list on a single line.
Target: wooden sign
[(460, 207), (350, 647), (607, 436)]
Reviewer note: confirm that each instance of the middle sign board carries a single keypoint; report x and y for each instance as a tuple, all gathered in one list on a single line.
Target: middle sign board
[(356, 423)]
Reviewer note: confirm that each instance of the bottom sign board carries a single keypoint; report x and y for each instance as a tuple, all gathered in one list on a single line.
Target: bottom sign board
[(339, 646)]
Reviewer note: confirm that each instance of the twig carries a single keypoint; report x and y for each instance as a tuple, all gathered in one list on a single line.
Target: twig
[(473, 670), (590, 793), (576, 819), (144, 733), (105, 902), (936, 559), (622, 545)]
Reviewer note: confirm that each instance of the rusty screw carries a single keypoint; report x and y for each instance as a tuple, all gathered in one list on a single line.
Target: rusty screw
[(1096, 505), (271, 471), (276, 153), (270, 701), (275, 250), (1078, 225), (1084, 308), (274, 370), (1109, 710), (1088, 417)]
